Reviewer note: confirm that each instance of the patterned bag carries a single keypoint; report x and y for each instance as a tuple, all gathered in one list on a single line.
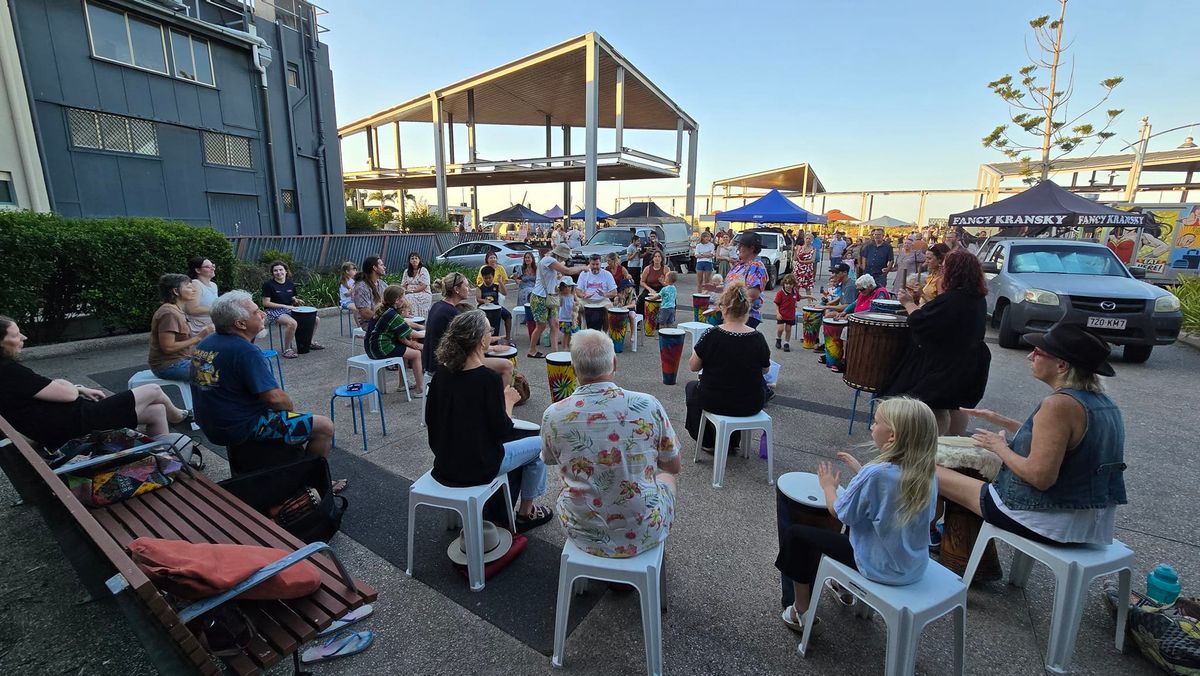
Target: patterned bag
[(103, 442), (1169, 636), (98, 486), (521, 385)]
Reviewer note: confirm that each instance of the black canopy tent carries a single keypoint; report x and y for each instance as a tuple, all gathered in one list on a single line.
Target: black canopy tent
[(517, 213), (641, 210), (1047, 208)]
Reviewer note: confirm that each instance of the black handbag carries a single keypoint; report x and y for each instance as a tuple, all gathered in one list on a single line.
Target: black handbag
[(268, 489)]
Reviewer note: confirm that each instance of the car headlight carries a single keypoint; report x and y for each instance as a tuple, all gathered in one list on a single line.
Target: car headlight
[(1041, 297), (1167, 303)]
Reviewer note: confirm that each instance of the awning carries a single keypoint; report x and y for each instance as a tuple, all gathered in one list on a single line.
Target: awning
[(580, 215), (838, 215), (556, 212), (888, 222), (1044, 206), (640, 210), (770, 208), (517, 213)]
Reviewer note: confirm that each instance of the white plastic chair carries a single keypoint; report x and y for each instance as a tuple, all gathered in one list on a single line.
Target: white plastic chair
[(695, 329), (644, 572), (468, 503), (373, 367), (725, 426), (1074, 568), (356, 340), (425, 401), (906, 610), (147, 377)]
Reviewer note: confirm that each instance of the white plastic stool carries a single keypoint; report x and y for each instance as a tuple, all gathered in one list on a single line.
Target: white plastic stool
[(356, 338), (147, 377), (906, 610), (637, 329), (425, 400), (372, 367), (468, 502), (695, 329), (644, 572), (725, 426), (1074, 568)]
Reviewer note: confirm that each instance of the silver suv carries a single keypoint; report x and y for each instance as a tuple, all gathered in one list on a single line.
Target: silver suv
[(1034, 283)]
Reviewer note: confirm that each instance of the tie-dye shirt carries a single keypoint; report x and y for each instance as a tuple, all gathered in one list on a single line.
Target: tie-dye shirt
[(754, 275)]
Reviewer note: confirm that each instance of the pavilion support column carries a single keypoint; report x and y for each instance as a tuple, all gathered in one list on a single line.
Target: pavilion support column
[(679, 143), (566, 130), (471, 155), (590, 136), (1186, 182), (549, 140), (693, 148), (439, 154), (450, 135), (372, 162), (862, 209), (921, 211), (620, 112), (396, 134)]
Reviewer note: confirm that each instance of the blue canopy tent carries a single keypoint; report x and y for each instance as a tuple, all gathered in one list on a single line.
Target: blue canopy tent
[(1044, 207), (517, 213), (772, 207), (556, 212), (579, 215), (641, 210)]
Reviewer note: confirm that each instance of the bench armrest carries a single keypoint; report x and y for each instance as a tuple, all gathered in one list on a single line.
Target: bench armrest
[(117, 583)]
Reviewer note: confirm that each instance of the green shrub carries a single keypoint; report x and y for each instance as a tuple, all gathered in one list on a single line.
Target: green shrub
[(1188, 292), (421, 219), (319, 288), (379, 218), (358, 219)]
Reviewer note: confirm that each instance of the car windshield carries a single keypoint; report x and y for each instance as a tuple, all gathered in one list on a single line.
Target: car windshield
[(769, 240), (617, 237), (519, 246), (1066, 260)]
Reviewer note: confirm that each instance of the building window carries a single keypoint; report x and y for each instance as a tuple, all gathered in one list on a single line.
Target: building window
[(101, 131), (193, 58), (293, 75), (227, 150), (8, 196), (288, 198), (117, 36)]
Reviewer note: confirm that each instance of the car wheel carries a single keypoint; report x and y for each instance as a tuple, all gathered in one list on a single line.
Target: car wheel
[(1008, 337), (1137, 354)]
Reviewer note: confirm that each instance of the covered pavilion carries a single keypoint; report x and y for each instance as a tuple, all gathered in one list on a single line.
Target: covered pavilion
[(583, 82)]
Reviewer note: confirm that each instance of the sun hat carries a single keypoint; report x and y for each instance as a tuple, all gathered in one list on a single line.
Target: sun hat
[(496, 543), (567, 281), (750, 239), (561, 251), (1076, 346)]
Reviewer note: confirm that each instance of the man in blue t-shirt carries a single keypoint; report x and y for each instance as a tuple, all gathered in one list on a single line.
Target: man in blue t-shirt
[(876, 258), (236, 396)]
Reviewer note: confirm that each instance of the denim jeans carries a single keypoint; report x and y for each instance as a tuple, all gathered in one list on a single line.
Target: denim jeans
[(180, 370), (526, 452)]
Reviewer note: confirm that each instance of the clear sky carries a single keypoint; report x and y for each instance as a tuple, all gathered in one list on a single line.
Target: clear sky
[(874, 94)]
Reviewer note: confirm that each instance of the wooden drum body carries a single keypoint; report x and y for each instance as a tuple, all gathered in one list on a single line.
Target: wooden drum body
[(875, 343), (961, 525)]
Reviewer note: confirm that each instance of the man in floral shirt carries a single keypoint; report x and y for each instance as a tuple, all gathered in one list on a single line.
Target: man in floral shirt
[(751, 272), (617, 454)]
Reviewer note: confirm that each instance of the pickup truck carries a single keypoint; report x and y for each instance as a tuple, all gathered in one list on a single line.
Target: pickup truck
[(672, 233), (1034, 283)]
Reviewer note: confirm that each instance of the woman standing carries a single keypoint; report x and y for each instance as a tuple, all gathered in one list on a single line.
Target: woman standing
[(652, 279), (906, 264), (368, 290), (528, 279), (416, 285), (933, 263), (279, 298), (171, 340), (706, 254), (726, 253), (805, 257), (947, 362), (202, 271)]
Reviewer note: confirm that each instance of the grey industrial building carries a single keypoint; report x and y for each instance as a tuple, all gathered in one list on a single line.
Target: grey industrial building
[(211, 112)]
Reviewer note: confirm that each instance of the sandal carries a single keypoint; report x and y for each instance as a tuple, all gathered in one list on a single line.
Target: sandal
[(316, 346), (340, 645), (359, 613), (840, 593), (539, 355), (537, 516), (289, 354), (339, 485), (795, 621)]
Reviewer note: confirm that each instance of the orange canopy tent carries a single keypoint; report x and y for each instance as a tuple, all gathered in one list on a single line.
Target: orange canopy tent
[(838, 215)]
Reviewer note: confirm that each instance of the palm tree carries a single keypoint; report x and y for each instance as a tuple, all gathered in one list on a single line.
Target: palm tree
[(381, 197)]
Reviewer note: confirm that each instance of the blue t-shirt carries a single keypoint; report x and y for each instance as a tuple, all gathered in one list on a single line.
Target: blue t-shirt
[(668, 293), (816, 245), (876, 258), (228, 374), (885, 552)]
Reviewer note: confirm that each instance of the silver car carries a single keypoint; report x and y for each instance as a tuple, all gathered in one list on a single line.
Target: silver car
[(1034, 283), (471, 254)]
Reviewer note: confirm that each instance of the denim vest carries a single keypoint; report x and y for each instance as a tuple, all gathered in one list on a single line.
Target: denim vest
[(1091, 475)]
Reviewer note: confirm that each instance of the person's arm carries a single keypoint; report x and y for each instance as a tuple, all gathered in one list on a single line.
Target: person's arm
[(994, 418), (60, 391), (558, 267), (829, 478), (194, 307), (667, 443), (170, 345), (1053, 426), (276, 400), (906, 299), (363, 302)]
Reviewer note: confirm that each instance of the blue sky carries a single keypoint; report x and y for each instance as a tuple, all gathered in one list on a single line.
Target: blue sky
[(874, 94)]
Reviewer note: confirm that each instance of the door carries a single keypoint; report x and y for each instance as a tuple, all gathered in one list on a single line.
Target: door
[(234, 214)]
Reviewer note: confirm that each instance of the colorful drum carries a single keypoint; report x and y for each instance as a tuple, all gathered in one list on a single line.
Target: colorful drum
[(506, 352), (561, 375), (595, 316), (699, 305), (712, 316), (651, 322), (618, 327), (887, 306), (670, 350), (306, 324), (834, 345), (810, 327), (493, 316), (875, 343)]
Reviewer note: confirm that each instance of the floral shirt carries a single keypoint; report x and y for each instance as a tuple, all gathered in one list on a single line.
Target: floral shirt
[(753, 274), (607, 442)]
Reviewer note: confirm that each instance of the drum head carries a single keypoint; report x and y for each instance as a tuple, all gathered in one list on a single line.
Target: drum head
[(804, 488), (304, 308), (672, 332), (416, 320), (811, 309), (489, 307), (506, 352), (835, 322), (593, 306), (559, 357), (525, 425), (618, 310)]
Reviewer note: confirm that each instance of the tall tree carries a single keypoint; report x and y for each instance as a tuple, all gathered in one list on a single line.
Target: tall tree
[(1041, 110)]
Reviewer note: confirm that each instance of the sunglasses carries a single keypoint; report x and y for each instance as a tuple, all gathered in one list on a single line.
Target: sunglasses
[(1039, 352)]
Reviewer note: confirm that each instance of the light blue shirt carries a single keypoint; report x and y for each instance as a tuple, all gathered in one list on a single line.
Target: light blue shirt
[(885, 552), (668, 296)]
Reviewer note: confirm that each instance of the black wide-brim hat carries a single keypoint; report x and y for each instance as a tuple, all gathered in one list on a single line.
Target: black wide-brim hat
[(1075, 345)]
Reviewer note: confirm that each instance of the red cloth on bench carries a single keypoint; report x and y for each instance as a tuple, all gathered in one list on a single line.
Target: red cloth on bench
[(197, 571)]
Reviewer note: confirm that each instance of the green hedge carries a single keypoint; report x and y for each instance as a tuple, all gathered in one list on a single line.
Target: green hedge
[(1188, 291), (56, 268)]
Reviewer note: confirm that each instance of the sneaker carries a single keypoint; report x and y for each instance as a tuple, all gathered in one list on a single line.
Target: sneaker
[(821, 359), (787, 347), (778, 343)]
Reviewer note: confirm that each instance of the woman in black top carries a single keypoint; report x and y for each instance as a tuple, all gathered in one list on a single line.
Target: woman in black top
[(469, 417), (947, 362), (734, 358), (279, 299)]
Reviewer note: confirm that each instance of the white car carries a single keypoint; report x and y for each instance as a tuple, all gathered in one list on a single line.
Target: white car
[(471, 254)]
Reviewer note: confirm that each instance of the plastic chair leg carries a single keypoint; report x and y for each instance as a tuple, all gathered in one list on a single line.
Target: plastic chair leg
[(901, 644), (1124, 578), (382, 417), (770, 456), (1022, 565), (474, 541), (412, 526), (562, 612), (960, 640), (720, 455), (363, 421), (1069, 590), (853, 411), (977, 555), (333, 419), (651, 624)]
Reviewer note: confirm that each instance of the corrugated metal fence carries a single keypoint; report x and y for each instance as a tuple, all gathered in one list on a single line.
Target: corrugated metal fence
[(332, 250)]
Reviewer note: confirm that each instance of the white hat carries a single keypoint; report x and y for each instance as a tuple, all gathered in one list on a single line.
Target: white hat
[(496, 543), (566, 280)]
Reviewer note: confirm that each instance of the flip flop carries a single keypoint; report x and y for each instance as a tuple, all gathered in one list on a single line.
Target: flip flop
[(539, 355), (538, 516), (343, 644), (316, 346), (795, 620), (840, 593), (339, 485), (359, 613)]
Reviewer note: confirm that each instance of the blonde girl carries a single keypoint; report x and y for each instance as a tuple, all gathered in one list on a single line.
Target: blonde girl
[(888, 506)]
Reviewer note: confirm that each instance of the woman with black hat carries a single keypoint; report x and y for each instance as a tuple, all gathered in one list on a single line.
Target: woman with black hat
[(1063, 473)]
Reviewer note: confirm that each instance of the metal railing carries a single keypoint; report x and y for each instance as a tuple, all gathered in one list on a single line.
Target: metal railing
[(332, 250)]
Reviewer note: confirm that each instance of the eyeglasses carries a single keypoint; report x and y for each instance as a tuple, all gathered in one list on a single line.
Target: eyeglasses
[(1039, 352)]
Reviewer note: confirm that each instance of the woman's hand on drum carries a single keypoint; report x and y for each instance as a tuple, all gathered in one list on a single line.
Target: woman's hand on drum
[(986, 414), (850, 461), (991, 440), (904, 296), (828, 477)]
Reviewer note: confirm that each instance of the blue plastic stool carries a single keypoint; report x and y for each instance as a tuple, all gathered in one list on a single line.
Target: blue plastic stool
[(278, 368), (360, 390), (854, 409), (271, 334)]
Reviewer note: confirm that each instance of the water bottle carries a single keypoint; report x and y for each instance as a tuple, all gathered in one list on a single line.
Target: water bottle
[(1162, 584)]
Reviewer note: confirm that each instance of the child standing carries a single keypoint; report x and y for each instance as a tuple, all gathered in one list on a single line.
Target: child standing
[(888, 506), (786, 299), (489, 292), (667, 294), (566, 310)]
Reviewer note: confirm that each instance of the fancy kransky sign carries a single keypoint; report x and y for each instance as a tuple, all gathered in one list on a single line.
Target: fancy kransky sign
[(1000, 220)]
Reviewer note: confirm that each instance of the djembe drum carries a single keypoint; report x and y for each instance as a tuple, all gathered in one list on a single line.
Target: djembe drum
[(595, 316), (670, 350), (835, 346), (561, 375), (493, 316), (699, 305), (506, 352), (712, 316), (964, 456), (875, 342), (810, 327), (618, 327), (650, 325), (306, 324), (887, 306)]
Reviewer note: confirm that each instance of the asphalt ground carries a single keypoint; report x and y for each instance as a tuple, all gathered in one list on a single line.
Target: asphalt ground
[(723, 590)]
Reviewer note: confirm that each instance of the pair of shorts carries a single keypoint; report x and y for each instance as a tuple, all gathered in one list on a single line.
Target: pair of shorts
[(704, 266), (995, 516), (786, 322), (286, 426), (347, 303), (539, 309), (110, 413), (666, 317), (275, 313)]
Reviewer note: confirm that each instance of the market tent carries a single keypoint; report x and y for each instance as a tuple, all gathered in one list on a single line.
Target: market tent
[(887, 222), (838, 215), (579, 215), (556, 212), (772, 207), (640, 210), (1045, 206), (517, 213)]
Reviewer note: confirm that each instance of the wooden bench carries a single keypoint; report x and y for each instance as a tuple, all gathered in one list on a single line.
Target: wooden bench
[(195, 509)]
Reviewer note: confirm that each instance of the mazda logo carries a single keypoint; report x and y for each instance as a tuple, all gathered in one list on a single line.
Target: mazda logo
[(1108, 305)]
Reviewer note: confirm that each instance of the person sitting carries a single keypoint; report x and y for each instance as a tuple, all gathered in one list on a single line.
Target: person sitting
[(734, 358), (279, 297), (202, 271), (667, 295), (626, 295), (596, 285), (867, 291), (492, 291), (346, 287), (1063, 472), (887, 506), (454, 289), (476, 453), (236, 397), (170, 336), (498, 274), (390, 335), (618, 456), (52, 412), (934, 258)]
